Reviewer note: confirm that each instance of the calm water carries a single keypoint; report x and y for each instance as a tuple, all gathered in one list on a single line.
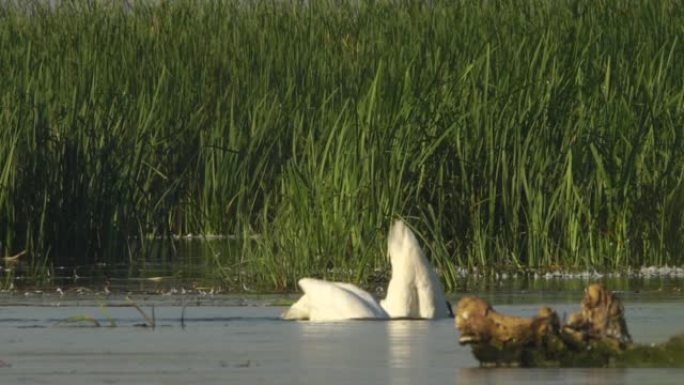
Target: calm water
[(249, 344)]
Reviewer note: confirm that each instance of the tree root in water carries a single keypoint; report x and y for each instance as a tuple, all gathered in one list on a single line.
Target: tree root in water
[(597, 336)]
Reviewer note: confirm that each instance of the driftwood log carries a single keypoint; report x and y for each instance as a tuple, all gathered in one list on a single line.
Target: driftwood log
[(595, 336)]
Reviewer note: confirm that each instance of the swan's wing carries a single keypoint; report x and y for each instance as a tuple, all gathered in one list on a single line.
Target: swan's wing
[(362, 294), (335, 301)]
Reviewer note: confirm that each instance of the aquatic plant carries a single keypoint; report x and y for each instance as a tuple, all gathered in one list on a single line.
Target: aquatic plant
[(514, 136)]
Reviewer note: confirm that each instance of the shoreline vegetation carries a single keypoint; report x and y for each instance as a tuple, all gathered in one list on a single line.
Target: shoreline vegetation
[(534, 136)]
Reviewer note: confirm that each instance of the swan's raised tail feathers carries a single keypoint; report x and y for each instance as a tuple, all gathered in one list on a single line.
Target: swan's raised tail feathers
[(401, 242), (412, 273)]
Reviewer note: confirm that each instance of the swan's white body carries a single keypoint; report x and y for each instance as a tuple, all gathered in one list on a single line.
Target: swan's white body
[(414, 290), (333, 301)]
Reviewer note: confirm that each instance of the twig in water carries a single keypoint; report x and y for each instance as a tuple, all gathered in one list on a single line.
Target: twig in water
[(15, 257), (105, 311), (150, 321), (81, 318)]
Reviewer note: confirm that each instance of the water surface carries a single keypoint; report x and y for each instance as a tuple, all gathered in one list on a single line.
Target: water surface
[(229, 339)]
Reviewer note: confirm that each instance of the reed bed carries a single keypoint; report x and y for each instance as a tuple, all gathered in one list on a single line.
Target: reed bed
[(512, 135)]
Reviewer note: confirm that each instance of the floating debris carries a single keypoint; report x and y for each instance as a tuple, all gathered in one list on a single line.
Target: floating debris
[(597, 336)]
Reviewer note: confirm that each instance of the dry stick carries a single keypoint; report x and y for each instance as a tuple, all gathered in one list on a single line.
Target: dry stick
[(182, 320), (14, 257), (149, 320), (80, 318), (104, 309)]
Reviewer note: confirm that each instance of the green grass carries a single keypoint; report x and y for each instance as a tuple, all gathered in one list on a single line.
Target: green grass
[(512, 135)]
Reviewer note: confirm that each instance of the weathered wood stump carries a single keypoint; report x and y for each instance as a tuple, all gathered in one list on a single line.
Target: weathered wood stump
[(596, 336)]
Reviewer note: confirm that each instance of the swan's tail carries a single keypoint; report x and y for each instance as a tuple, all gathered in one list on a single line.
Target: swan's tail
[(415, 289), (401, 242)]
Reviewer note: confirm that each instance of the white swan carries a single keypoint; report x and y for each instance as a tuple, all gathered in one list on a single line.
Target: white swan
[(414, 290)]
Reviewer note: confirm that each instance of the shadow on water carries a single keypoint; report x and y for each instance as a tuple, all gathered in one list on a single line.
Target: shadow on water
[(162, 266), (210, 266), (215, 266), (588, 376)]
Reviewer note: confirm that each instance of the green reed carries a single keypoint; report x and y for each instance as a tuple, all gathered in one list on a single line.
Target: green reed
[(511, 135)]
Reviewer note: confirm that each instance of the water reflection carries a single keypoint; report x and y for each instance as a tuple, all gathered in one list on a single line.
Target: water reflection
[(514, 376), (338, 351), (404, 349), (395, 352)]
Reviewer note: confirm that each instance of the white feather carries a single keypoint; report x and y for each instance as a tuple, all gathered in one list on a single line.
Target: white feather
[(333, 301)]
